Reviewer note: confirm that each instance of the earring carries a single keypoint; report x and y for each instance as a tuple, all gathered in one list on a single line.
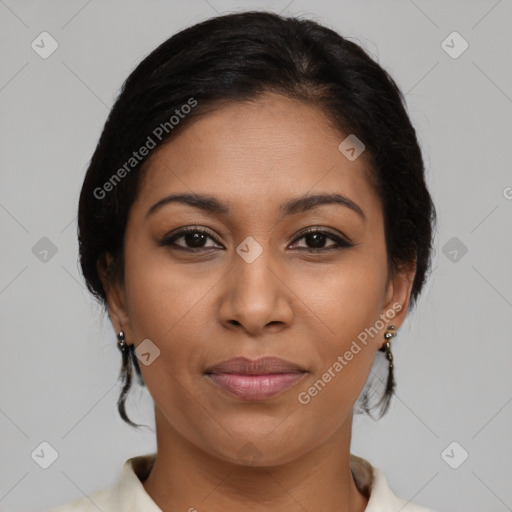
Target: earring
[(121, 343), (390, 382), (129, 359), (390, 333)]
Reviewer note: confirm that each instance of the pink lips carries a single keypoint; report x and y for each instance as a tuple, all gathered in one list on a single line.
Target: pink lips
[(255, 380)]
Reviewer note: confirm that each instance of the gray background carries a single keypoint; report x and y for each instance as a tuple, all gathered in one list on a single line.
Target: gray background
[(59, 362)]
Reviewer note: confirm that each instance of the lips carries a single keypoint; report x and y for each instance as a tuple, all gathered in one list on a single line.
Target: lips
[(263, 366), (255, 380)]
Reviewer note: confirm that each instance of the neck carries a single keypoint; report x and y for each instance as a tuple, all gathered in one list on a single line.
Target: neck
[(185, 477)]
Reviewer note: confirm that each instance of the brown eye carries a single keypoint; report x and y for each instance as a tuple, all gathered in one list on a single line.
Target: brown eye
[(316, 241), (193, 238)]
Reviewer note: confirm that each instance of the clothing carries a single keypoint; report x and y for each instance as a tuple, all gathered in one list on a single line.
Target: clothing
[(129, 495)]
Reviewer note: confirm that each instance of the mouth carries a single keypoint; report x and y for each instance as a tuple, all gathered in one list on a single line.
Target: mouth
[(255, 380)]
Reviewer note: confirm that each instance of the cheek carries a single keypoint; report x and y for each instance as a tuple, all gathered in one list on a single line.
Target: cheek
[(347, 303), (161, 293), (348, 297), (168, 304)]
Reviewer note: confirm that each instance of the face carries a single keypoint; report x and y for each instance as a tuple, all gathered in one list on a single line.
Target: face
[(250, 281)]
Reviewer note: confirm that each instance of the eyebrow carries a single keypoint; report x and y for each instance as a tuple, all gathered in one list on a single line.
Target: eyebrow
[(212, 205)]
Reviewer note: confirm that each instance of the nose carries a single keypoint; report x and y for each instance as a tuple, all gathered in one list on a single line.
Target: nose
[(255, 296)]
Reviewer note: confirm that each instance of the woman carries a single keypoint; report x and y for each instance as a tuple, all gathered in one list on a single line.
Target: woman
[(255, 220)]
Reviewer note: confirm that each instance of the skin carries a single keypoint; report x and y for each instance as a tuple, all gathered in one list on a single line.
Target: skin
[(200, 308)]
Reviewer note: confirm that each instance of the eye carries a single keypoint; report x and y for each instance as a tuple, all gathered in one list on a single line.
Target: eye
[(317, 237), (193, 237)]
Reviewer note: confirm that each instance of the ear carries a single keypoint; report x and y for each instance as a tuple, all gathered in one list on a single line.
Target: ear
[(115, 297), (398, 294)]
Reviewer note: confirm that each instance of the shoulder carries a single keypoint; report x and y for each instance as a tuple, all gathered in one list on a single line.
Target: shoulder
[(372, 482), (126, 494), (382, 494)]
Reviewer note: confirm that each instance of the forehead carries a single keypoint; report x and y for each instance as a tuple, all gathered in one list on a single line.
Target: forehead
[(267, 149)]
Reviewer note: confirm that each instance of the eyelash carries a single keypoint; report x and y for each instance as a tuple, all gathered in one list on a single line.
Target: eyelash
[(341, 243)]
